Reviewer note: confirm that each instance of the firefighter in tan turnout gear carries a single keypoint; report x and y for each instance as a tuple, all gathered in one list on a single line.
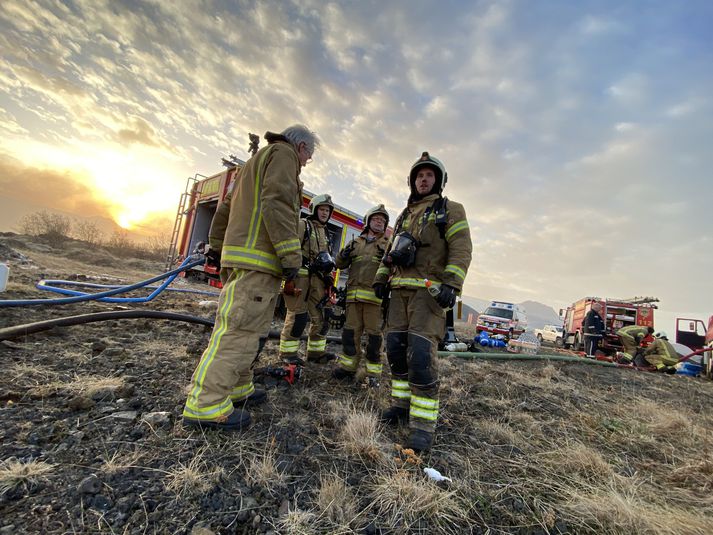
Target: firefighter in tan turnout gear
[(630, 338), (661, 354), (362, 257), (260, 247), (431, 245), (315, 285)]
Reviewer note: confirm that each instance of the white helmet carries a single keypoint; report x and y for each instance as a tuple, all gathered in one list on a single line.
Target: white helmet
[(320, 200), (661, 334)]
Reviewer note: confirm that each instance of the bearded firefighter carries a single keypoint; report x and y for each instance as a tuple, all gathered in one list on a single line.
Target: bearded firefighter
[(362, 257), (257, 231), (314, 286), (425, 266)]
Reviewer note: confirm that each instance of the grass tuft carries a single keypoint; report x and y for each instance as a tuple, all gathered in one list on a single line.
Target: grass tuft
[(336, 501), (15, 473)]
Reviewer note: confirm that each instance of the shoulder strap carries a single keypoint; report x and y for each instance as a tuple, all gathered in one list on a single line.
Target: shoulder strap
[(308, 231), (440, 210)]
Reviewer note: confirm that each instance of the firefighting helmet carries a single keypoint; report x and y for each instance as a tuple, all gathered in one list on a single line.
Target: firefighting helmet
[(426, 160), (661, 334), (320, 200), (323, 263), (380, 209)]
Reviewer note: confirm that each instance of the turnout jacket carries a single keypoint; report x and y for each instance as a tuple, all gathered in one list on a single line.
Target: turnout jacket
[(633, 330), (256, 225), (363, 261), (662, 348), (313, 236), (442, 260), (593, 324)]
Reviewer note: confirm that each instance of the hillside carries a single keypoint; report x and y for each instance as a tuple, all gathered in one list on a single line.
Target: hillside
[(92, 440)]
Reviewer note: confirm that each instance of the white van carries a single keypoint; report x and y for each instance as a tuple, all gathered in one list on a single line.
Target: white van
[(502, 318)]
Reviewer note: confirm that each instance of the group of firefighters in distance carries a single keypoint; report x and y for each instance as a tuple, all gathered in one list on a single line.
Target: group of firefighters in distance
[(641, 345), (262, 245)]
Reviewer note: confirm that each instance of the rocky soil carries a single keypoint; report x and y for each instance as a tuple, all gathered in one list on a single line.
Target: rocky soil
[(92, 440)]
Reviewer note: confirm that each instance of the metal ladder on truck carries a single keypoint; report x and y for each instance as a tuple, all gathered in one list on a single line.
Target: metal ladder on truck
[(178, 222)]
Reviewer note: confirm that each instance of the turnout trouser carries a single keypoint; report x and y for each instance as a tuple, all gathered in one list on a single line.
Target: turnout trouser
[(629, 343), (415, 325), (302, 309), (362, 318), (224, 373), (591, 343)]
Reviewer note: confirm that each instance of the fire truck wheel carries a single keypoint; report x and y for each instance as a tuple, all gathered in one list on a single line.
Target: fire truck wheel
[(539, 338), (558, 342), (575, 344)]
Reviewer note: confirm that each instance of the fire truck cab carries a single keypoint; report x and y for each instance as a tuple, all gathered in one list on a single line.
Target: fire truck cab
[(617, 313)]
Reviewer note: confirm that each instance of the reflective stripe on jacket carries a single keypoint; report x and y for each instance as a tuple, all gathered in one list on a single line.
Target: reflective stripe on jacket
[(363, 261), (440, 260), (256, 225)]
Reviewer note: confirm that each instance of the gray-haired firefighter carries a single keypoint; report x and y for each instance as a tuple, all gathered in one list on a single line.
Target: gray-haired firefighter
[(431, 245), (661, 354), (630, 338), (315, 283), (362, 256), (260, 247)]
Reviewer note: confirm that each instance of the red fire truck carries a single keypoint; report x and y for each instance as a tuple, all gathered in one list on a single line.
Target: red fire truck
[(200, 200), (617, 313)]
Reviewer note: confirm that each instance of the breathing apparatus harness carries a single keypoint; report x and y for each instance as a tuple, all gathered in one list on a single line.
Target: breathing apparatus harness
[(404, 246)]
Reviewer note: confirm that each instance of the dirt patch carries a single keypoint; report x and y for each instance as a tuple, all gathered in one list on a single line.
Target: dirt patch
[(92, 440)]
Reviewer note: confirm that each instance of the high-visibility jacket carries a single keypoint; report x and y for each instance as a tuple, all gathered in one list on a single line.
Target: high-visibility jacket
[(363, 260), (633, 331), (313, 236), (256, 225), (663, 349), (441, 260)]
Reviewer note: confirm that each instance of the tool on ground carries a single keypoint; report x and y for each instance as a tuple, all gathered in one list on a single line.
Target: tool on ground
[(289, 372)]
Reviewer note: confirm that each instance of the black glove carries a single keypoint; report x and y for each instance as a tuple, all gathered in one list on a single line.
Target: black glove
[(380, 290), (328, 281), (347, 251), (290, 274), (212, 258), (447, 296)]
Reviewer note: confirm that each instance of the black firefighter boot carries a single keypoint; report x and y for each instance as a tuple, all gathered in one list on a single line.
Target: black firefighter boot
[(343, 375), (395, 415), (419, 440)]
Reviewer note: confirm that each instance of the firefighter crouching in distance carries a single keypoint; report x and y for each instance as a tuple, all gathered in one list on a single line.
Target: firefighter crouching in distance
[(431, 242), (260, 247), (630, 338), (362, 257), (314, 282), (661, 354)]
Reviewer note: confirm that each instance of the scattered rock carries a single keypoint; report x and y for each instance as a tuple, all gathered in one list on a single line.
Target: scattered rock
[(159, 418), (101, 502), (256, 520), (98, 346), (284, 508), (81, 403), (124, 415), (200, 529), (11, 345), (90, 485)]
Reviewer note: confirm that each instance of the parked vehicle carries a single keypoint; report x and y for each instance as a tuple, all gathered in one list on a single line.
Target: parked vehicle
[(504, 318), (616, 313), (550, 333), (694, 334)]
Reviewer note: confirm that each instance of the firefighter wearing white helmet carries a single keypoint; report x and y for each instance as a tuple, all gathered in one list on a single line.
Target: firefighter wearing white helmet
[(661, 354), (430, 251), (362, 256), (255, 229), (314, 283)]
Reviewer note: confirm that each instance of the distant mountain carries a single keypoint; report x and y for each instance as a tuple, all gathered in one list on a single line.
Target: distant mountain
[(538, 314)]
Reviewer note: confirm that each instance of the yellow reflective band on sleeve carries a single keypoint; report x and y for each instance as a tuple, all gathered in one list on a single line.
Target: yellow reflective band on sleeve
[(407, 282), (252, 258), (346, 361), (376, 259), (357, 259), (456, 228), (289, 346), (287, 246), (303, 272), (242, 391), (366, 296), (374, 368), (383, 271), (458, 272), (316, 345)]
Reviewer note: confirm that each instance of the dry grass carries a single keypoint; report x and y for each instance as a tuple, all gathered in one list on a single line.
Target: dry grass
[(335, 500), (574, 459), (119, 462), (194, 478), (297, 522), (14, 473), (82, 385), (500, 433), (360, 436), (406, 497), (261, 469)]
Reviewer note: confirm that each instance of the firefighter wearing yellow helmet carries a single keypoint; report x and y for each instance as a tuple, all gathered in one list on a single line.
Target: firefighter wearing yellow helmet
[(362, 257), (256, 231), (425, 265), (314, 283)]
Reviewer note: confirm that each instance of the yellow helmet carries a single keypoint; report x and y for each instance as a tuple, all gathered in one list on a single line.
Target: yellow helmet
[(320, 200)]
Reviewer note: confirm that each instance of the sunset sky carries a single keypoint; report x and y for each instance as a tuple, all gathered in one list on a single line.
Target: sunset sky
[(576, 133)]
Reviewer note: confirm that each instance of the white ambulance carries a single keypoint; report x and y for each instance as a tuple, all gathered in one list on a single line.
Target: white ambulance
[(504, 318)]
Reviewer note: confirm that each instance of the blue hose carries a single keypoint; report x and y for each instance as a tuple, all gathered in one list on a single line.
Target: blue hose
[(104, 296), (51, 285)]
